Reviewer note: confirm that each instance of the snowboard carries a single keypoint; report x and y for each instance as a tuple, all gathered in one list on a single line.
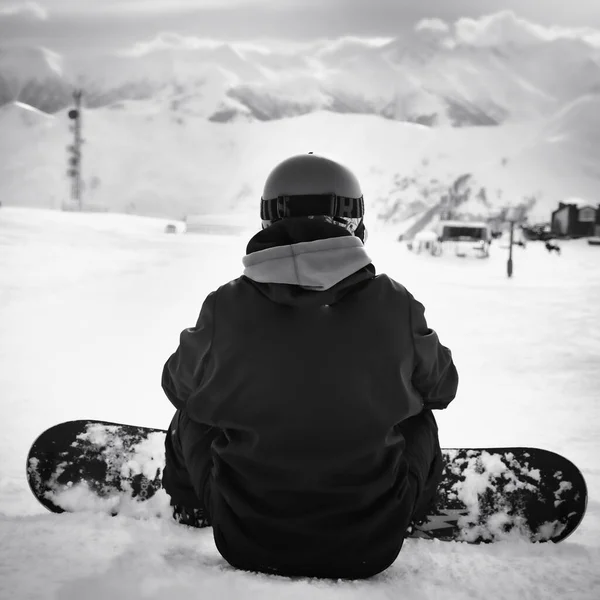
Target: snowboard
[(485, 495)]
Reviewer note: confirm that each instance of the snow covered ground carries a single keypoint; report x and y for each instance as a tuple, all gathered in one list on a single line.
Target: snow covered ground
[(91, 305)]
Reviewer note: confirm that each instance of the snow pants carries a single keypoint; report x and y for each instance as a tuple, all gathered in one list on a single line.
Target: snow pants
[(187, 473), (188, 464)]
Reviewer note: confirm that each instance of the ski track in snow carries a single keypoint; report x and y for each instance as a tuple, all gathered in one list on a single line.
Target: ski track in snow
[(92, 305)]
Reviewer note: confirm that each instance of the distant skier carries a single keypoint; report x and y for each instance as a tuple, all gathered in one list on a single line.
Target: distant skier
[(303, 432)]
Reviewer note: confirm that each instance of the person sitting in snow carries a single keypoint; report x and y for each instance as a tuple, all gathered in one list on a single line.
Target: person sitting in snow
[(303, 430)]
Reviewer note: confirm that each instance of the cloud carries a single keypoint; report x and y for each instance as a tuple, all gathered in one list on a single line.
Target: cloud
[(169, 40), (436, 25), (506, 28), (142, 7), (28, 9), (496, 30)]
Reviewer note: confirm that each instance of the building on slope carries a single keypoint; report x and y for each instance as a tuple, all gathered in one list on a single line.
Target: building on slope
[(575, 218)]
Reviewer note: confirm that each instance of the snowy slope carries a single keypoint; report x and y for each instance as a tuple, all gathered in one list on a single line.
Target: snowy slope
[(92, 305), (560, 156), (141, 159)]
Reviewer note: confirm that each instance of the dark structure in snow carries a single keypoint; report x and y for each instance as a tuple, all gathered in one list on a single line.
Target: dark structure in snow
[(575, 220)]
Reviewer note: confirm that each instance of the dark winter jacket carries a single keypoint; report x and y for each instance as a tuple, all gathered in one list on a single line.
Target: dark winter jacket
[(305, 365)]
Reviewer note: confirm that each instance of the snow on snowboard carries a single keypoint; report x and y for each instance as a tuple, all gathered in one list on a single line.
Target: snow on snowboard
[(486, 494)]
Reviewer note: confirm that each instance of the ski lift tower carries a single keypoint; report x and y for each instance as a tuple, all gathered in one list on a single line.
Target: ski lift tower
[(74, 150)]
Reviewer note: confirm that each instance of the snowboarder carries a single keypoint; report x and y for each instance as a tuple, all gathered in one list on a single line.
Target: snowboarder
[(303, 430)]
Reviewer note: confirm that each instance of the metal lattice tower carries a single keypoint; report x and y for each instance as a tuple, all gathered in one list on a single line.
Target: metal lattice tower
[(74, 150)]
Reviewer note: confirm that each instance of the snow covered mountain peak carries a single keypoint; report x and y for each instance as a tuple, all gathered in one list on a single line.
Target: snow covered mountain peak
[(16, 114), (34, 76), (30, 62), (579, 121)]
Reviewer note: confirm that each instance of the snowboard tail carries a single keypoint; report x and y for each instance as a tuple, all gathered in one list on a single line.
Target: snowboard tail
[(485, 495), (489, 494), (88, 465)]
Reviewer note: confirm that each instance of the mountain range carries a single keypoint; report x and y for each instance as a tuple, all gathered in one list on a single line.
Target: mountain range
[(425, 76), (481, 116)]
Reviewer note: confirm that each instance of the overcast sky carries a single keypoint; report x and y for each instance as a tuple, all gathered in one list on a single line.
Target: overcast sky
[(77, 25)]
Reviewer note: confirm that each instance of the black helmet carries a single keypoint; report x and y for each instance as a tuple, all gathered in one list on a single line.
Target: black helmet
[(308, 185)]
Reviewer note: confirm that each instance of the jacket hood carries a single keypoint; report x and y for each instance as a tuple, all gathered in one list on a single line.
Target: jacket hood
[(310, 256)]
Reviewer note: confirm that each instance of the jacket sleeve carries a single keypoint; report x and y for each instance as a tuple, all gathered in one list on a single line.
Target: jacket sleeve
[(434, 376), (182, 373)]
